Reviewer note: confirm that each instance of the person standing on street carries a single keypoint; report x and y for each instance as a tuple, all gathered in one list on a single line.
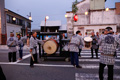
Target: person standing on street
[(94, 45), (98, 37), (86, 34), (80, 47), (75, 42), (102, 34), (12, 43), (33, 48), (107, 49), (117, 36), (20, 41)]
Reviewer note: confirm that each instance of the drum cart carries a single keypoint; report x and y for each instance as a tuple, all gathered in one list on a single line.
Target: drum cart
[(59, 53)]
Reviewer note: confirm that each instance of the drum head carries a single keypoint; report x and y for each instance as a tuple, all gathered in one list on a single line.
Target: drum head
[(50, 47), (88, 39)]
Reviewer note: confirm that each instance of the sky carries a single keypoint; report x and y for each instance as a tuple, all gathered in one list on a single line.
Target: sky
[(55, 9)]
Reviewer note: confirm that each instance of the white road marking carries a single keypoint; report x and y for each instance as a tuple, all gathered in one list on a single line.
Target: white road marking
[(24, 57), (84, 66), (94, 56), (88, 76), (95, 60)]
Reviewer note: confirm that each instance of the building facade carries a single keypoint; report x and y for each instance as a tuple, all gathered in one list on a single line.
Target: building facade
[(16, 23), (93, 20), (12, 22)]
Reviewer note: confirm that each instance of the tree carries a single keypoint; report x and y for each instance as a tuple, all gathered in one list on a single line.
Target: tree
[(74, 7)]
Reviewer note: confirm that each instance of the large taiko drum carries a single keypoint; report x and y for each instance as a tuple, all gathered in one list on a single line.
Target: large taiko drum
[(50, 46), (88, 41)]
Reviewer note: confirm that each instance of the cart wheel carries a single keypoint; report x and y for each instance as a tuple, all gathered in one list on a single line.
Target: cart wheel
[(67, 59)]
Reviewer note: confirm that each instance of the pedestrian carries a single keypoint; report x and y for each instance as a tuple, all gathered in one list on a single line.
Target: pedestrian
[(20, 43), (81, 46), (117, 36), (107, 49), (12, 43), (75, 42), (102, 34), (33, 48), (64, 45), (98, 37), (94, 45), (28, 41), (86, 34), (46, 38)]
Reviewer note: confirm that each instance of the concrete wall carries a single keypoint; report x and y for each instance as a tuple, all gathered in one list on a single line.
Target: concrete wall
[(103, 17), (13, 28), (97, 4), (83, 6), (96, 19)]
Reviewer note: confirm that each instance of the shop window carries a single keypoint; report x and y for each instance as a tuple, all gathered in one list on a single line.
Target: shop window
[(100, 31), (118, 29), (89, 31)]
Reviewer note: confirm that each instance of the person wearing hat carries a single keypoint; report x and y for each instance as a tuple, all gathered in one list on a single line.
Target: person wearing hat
[(20, 41), (107, 50), (12, 43)]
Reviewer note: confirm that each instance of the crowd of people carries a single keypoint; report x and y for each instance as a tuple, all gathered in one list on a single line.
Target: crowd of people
[(107, 43)]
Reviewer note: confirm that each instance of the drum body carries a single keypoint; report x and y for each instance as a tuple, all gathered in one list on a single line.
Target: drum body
[(88, 42), (50, 46)]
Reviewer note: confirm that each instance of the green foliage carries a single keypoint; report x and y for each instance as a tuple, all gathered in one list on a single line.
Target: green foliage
[(74, 7)]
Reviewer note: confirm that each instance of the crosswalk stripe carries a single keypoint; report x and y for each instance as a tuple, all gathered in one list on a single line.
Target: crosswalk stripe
[(95, 56), (86, 76), (94, 60)]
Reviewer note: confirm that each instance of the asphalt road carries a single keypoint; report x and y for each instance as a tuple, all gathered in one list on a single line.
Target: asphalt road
[(54, 69)]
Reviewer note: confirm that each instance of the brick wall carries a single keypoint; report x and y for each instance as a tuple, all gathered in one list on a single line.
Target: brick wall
[(117, 5)]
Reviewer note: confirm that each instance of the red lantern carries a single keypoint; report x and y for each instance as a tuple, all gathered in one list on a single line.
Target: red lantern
[(75, 18)]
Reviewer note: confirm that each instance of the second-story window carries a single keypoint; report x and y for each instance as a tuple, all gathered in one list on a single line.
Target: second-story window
[(17, 21), (8, 18), (20, 22), (23, 23), (28, 25)]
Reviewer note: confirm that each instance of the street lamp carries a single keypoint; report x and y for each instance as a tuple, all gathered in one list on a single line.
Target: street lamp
[(46, 17), (86, 13), (66, 16), (30, 18), (107, 9), (14, 18)]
